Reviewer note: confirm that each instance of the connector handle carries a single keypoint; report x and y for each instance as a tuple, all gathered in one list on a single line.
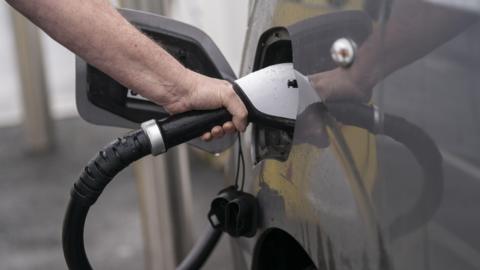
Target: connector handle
[(183, 127)]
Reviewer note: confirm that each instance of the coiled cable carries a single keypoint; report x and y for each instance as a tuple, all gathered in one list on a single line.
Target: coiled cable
[(92, 181)]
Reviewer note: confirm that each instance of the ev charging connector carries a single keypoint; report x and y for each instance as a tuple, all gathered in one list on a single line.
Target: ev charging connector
[(270, 101), (271, 98)]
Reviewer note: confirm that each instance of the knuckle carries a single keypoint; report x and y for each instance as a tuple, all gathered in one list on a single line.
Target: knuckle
[(230, 93), (226, 83), (243, 114)]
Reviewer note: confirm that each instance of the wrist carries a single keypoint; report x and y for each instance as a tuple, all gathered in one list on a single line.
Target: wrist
[(185, 81), (183, 91)]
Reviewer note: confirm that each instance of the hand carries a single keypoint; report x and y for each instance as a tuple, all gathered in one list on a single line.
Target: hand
[(341, 84), (199, 92)]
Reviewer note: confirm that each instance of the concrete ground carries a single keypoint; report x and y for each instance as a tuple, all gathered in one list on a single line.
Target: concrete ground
[(34, 190)]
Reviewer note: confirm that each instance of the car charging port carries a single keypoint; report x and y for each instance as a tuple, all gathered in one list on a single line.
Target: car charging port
[(271, 143), (275, 47)]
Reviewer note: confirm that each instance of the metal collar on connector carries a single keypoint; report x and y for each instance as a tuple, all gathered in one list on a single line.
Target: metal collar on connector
[(154, 134)]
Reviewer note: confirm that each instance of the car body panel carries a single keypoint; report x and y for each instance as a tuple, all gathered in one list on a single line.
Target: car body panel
[(319, 214), (340, 190)]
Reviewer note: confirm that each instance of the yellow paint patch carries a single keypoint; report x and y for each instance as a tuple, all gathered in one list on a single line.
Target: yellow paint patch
[(290, 179), (290, 12)]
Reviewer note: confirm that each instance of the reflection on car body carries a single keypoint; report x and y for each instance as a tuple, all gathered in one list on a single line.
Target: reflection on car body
[(341, 197)]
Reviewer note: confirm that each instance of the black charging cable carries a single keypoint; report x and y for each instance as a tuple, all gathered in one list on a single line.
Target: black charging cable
[(155, 137), (93, 179), (233, 210), (240, 165)]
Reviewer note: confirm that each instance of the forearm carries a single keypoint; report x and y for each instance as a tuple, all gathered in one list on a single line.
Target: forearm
[(414, 29), (95, 31)]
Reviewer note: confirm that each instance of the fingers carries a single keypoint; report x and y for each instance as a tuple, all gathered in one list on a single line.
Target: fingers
[(213, 93), (216, 133), (219, 131), (235, 106), (207, 136), (209, 94), (228, 128)]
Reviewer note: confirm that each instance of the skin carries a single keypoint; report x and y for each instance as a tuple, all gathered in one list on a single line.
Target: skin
[(414, 29), (95, 31)]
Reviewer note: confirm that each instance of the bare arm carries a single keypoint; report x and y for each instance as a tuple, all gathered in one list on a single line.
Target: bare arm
[(94, 30), (414, 29)]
